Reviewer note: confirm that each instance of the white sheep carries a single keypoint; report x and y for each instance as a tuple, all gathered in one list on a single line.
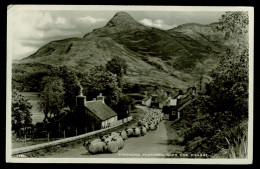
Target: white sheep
[(143, 131), (129, 132), (111, 146), (136, 131), (114, 134), (104, 136), (146, 126), (119, 141), (152, 127), (141, 122), (157, 120), (94, 147), (123, 134), (96, 140)]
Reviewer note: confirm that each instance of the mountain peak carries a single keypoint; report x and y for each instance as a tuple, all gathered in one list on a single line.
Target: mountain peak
[(120, 22), (122, 14), (125, 21)]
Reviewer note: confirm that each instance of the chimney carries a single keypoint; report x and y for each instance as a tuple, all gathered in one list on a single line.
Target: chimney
[(80, 99), (100, 97)]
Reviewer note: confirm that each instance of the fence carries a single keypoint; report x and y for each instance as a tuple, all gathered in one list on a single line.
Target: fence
[(66, 140)]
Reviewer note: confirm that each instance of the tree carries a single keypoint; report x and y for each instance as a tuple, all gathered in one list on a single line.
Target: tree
[(124, 105), (229, 88), (99, 80), (33, 81), (235, 26), (224, 105), (70, 83), (117, 66), (52, 97), (21, 115)]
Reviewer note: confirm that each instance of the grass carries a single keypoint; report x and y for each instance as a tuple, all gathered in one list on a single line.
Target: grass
[(21, 143), (239, 149)]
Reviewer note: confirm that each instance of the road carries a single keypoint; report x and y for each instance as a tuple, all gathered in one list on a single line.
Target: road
[(153, 144)]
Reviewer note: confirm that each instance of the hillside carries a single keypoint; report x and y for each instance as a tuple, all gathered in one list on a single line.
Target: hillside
[(172, 58)]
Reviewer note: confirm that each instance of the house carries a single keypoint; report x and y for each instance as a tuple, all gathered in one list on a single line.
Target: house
[(147, 101), (100, 115), (172, 102), (159, 101), (94, 115), (170, 105), (88, 116), (191, 90), (182, 101), (136, 97)]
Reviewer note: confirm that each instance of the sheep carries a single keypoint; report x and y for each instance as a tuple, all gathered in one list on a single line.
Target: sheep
[(157, 120), (152, 127), (106, 138), (96, 140), (111, 146), (114, 134), (141, 122), (137, 131), (146, 126), (123, 134), (94, 147), (143, 131), (119, 141), (161, 118), (129, 132)]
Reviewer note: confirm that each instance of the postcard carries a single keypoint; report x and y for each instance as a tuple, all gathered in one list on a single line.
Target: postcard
[(129, 84)]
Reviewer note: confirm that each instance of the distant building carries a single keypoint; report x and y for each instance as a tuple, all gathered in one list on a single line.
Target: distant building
[(147, 101), (159, 101), (173, 102)]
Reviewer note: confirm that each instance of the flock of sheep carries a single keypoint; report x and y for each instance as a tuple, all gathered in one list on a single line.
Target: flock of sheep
[(112, 142)]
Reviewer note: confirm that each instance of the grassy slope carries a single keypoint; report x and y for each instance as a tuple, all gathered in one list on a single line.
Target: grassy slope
[(86, 53), (165, 58)]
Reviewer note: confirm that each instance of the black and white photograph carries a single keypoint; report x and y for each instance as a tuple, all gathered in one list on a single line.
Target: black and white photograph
[(129, 84)]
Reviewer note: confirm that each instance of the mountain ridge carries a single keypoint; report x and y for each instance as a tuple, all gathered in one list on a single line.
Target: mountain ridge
[(168, 58)]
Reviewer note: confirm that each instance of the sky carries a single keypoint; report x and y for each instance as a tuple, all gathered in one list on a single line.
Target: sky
[(30, 29)]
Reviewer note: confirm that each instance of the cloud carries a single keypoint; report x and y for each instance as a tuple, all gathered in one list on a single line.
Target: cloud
[(32, 29), (61, 20), (158, 23), (20, 50), (90, 19)]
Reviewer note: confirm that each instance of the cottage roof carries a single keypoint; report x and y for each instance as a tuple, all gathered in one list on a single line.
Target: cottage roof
[(174, 96), (101, 110)]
